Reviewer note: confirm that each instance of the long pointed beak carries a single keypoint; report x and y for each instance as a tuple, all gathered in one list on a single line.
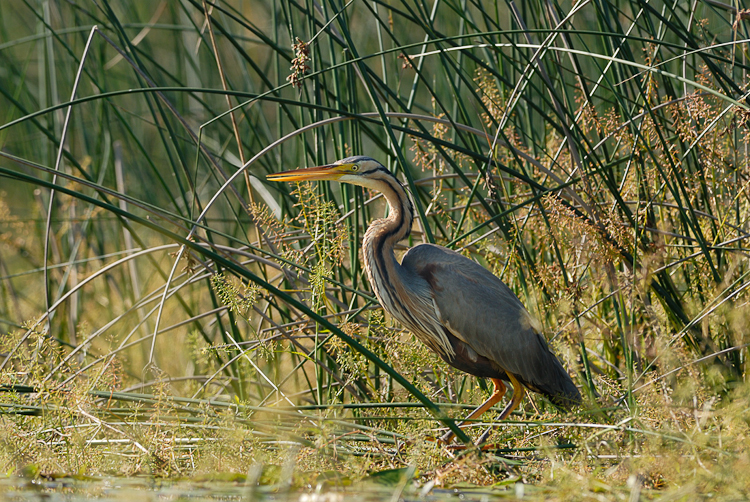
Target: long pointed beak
[(329, 172)]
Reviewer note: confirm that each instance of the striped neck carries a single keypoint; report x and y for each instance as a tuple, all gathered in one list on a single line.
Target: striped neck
[(386, 275), (403, 294), (383, 234)]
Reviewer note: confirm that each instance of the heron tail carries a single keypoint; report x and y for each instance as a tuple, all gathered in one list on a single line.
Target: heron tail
[(552, 381)]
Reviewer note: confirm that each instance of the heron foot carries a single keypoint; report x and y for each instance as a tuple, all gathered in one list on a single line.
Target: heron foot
[(518, 393), (485, 435), (447, 437), (495, 397)]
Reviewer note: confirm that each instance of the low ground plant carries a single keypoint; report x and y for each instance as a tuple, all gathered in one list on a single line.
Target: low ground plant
[(167, 312)]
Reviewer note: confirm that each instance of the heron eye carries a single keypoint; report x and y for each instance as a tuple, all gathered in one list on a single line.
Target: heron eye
[(355, 167)]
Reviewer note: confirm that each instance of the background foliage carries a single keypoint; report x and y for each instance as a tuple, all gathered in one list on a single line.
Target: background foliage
[(160, 298)]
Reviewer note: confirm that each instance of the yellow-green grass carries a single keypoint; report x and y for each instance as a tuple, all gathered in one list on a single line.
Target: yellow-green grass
[(159, 319)]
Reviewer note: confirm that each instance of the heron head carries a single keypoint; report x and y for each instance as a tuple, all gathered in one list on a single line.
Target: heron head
[(358, 170)]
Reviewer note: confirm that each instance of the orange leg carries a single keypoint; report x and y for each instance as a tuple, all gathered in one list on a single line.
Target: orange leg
[(519, 391), (496, 397)]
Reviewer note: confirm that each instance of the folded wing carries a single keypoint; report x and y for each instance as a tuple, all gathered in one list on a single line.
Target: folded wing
[(480, 310)]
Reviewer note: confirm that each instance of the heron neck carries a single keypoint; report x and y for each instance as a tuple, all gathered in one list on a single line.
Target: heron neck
[(399, 290), (383, 234), (383, 271)]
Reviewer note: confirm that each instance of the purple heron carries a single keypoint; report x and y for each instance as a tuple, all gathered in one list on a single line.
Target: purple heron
[(453, 305)]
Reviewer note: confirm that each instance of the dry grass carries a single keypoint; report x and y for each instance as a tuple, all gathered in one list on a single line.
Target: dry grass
[(246, 345)]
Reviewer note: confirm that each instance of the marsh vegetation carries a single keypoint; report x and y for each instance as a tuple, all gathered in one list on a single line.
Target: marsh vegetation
[(167, 312)]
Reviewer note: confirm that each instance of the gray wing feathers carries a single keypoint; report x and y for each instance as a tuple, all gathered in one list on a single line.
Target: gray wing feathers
[(479, 309)]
